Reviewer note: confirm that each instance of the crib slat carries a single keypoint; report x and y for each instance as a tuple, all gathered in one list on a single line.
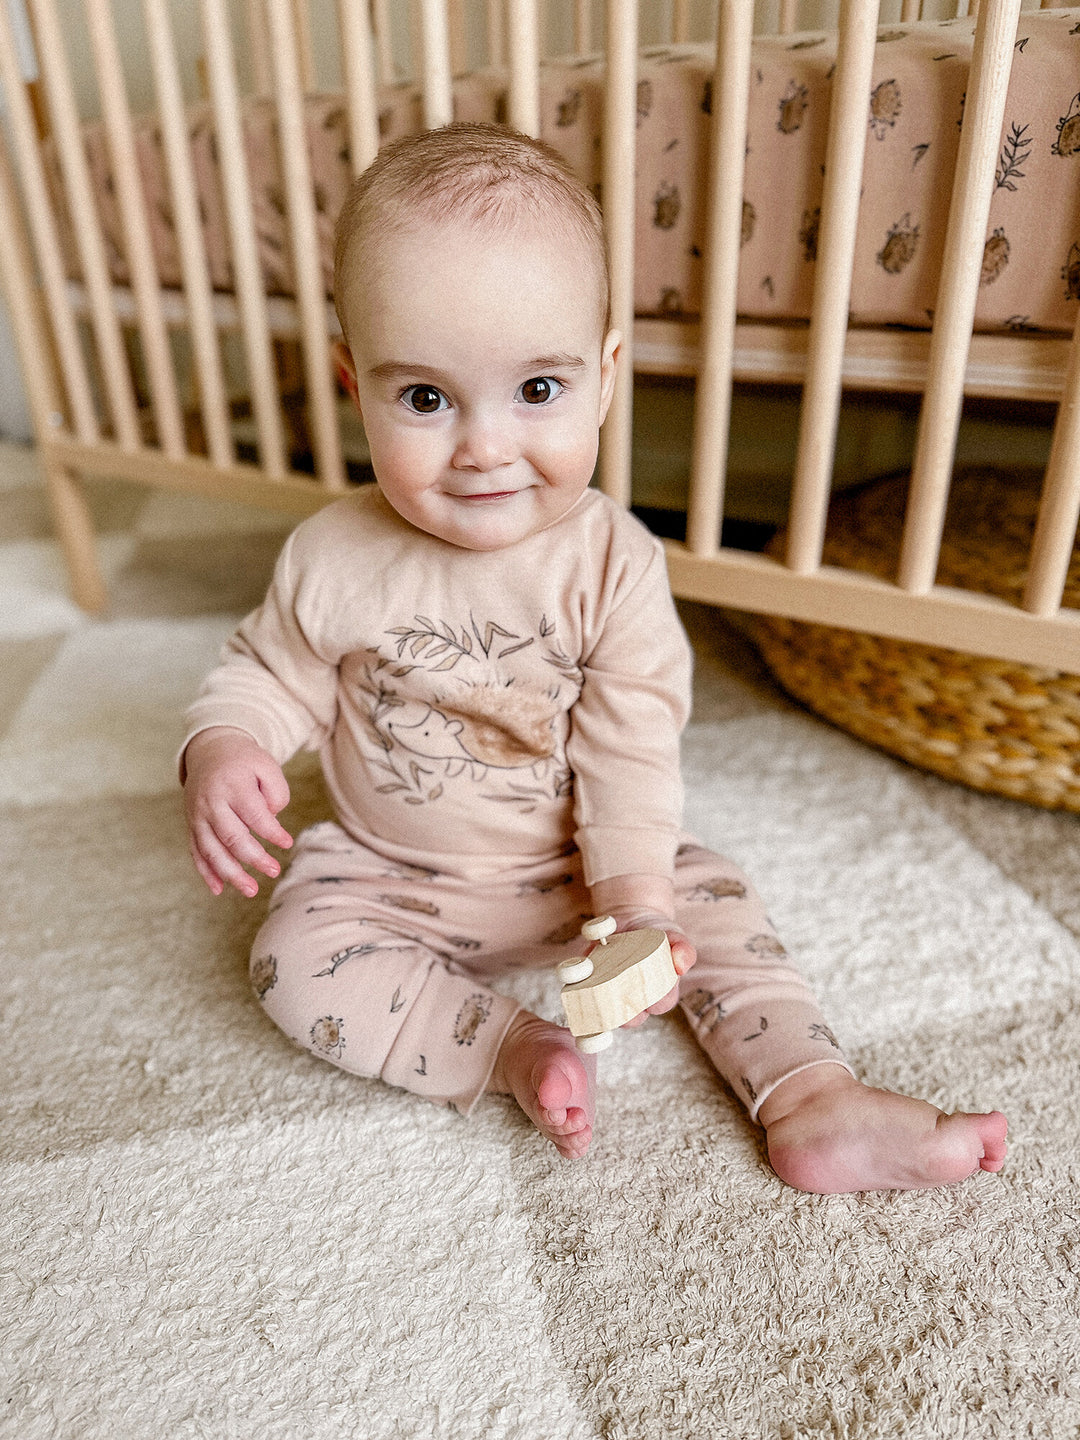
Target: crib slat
[(303, 233), (832, 284), (911, 10), (213, 401), (680, 21), (1059, 509), (247, 271), (71, 513), (723, 238), (523, 34), (435, 64), (958, 288), (617, 195), (358, 65), (28, 320), (46, 240), (52, 56), (136, 228), (789, 10)]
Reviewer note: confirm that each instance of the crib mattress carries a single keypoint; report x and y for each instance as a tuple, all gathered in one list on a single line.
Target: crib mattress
[(1031, 261)]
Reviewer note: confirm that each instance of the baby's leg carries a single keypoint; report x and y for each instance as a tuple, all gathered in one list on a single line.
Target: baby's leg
[(757, 1020), (352, 967)]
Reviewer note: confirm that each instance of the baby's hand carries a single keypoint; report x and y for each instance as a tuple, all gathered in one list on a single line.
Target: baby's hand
[(232, 788), (683, 955)]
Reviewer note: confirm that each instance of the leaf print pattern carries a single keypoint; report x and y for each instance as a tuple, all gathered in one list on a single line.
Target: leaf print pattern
[(356, 952), (1014, 153), (822, 1032), (428, 641)]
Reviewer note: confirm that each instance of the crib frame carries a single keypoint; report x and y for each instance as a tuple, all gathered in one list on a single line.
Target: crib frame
[(91, 427)]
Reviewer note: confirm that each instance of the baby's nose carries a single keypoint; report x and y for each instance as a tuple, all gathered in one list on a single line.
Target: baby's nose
[(483, 444)]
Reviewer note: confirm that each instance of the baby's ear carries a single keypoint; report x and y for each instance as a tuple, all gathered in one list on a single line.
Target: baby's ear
[(609, 364), (346, 370)]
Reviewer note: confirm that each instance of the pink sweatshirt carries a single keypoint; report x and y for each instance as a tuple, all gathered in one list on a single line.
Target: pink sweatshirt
[(472, 709)]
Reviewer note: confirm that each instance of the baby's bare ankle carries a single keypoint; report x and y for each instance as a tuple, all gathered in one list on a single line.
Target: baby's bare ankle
[(826, 1082)]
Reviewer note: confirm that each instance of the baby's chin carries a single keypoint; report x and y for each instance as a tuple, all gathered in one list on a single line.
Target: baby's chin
[(486, 525)]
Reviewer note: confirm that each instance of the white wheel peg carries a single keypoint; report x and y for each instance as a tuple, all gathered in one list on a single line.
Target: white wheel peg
[(590, 1044), (600, 928), (571, 971)]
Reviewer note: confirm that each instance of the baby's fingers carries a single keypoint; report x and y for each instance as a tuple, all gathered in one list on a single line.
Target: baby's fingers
[(213, 881), (227, 848), (262, 821), (670, 1000), (683, 954), (217, 866)]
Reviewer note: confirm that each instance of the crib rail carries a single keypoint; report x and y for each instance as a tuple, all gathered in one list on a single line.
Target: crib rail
[(134, 380)]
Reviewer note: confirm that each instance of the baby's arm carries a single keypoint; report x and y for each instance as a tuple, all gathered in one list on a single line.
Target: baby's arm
[(232, 787), (638, 902)]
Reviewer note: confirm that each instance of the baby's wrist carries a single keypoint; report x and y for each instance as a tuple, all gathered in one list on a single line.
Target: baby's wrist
[(636, 901), (635, 918), (206, 739)]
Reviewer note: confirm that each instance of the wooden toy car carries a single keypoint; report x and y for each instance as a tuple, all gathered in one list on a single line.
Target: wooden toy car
[(617, 981)]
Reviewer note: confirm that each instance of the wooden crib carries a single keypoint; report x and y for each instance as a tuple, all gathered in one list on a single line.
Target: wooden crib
[(102, 360)]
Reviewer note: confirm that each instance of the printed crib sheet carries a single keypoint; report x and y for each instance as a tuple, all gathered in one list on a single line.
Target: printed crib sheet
[(1031, 260)]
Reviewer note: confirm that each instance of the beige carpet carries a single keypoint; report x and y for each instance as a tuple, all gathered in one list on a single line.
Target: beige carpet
[(204, 1232)]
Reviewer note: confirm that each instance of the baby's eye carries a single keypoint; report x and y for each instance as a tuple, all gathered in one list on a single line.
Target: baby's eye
[(540, 390), (424, 399)]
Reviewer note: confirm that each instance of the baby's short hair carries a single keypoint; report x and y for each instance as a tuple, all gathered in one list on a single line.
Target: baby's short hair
[(487, 173)]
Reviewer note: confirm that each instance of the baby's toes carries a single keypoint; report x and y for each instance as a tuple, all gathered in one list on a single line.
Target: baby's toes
[(992, 1131), (573, 1147), (564, 1122)]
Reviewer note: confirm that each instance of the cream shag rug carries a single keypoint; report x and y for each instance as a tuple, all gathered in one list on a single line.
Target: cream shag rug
[(206, 1233)]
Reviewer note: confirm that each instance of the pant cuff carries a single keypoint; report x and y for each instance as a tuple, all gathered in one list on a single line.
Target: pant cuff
[(768, 1089)]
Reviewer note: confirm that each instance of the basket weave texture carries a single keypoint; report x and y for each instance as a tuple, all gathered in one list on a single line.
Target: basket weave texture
[(993, 724)]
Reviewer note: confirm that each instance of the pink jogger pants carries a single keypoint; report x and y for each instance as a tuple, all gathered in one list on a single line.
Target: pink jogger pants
[(384, 969)]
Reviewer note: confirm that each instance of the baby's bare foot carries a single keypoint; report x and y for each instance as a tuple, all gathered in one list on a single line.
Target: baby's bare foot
[(540, 1065), (829, 1134)]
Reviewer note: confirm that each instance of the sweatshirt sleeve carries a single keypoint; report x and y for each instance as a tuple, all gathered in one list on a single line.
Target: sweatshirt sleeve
[(277, 679), (623, 747)]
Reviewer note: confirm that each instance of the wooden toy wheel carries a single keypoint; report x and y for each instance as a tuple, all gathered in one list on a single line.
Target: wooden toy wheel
[(571, 971), (590, 1044), (600, 928)]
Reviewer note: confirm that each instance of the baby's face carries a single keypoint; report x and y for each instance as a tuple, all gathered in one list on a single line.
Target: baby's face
[(483, 377)]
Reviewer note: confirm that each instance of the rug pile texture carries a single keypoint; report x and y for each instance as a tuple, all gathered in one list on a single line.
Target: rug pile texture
[(207, 1233)]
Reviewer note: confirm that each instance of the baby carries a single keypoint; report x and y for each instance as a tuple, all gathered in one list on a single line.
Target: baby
[(485, 653)]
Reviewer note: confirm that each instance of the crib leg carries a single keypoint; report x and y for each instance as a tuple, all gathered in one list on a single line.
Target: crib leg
[(75, 532)]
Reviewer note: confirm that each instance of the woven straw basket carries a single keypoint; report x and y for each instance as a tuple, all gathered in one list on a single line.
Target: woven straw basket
[(992, 724)]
